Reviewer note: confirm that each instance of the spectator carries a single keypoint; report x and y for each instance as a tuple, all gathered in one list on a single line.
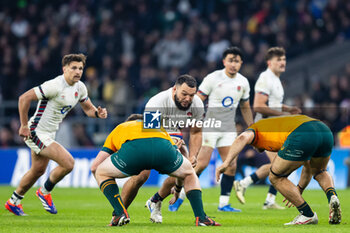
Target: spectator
[(172, 36), (6, 138)]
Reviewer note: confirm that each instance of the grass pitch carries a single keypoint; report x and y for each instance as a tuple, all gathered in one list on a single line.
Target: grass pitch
[(87, 210)]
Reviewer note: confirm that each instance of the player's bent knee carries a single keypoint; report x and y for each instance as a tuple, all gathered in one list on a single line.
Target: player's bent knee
[(38, 171), (99, 174), (69, 166), (273, 178), (142, 177), (93, 169)]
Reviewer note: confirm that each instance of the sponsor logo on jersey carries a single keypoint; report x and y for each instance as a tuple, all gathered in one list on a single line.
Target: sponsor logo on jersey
[(227, 101), (66, 109)]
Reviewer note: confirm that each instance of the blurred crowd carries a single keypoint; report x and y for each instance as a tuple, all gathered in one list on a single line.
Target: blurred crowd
[(137, 48)]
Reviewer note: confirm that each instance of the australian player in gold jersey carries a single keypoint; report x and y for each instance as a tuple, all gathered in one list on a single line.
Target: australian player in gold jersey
[(300, 141), (129, 149)]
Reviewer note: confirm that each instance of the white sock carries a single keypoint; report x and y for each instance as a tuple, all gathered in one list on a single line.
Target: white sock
[(270, 198), (246, 182), (16, 198), (182, 194), (44, 191), (223, 200)]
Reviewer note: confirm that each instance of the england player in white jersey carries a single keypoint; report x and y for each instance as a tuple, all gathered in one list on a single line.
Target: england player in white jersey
[(55, 98), (268, 102), (178, 103), (225, 90)]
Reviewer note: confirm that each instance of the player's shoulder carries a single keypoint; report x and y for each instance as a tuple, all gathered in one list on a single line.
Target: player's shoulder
[(161, 97), (197, 102), (53, 85), (266, 74), (241, 77), (217, 74), (58, 80), (81, 84)]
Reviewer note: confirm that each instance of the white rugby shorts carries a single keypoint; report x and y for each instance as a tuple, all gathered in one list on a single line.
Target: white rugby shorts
[(218, 139), (38, 141)]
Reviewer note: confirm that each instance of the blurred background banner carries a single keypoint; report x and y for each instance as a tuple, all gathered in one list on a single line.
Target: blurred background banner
[(17, 161)]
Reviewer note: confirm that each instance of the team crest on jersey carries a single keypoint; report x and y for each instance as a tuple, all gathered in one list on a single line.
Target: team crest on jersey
[(189, 114), (76, 94), (238, 88)]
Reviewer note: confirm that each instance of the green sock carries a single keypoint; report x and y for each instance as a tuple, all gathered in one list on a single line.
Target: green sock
[(330, 192), (111, 191), (195, 198), (305, 210)]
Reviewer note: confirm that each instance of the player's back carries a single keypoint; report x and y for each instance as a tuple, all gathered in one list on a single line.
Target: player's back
[(132, 130), (270, 133)]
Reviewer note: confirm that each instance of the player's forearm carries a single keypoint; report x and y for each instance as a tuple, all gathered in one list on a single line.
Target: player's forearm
[(286, 108), (237, 146), (91, 112), (23, 109), (195, 143), (267, 111), (89, 109), (247, 115)]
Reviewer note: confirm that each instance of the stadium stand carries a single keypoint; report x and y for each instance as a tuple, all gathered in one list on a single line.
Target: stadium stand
[(137, 48)]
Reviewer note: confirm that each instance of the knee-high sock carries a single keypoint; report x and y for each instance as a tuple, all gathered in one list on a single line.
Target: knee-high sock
[(111, 191), (195, 198)]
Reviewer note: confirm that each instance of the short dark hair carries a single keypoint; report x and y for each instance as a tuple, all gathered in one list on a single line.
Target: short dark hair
[(275, 52), (134, 117), (188, 79), (232, 50), (67, 59)]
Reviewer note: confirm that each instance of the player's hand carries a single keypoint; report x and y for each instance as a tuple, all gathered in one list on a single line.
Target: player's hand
[(294, 110), (221, 169), (24, 132), (288, 203), (179, 143), (193, 161), (102, 112), (286, 113), (175, 196)]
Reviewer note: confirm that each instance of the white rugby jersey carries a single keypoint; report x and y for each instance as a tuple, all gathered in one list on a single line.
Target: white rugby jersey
[(56, 99), (164, 102), (268, 83), (224, 94)]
